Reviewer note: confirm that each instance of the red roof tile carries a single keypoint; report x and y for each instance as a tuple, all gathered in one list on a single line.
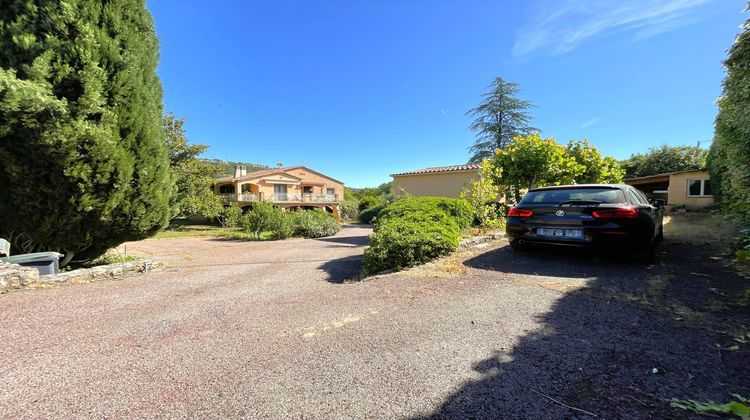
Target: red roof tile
[(443, 169)]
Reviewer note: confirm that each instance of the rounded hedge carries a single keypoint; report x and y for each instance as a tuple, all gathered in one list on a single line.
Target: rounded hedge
[(421, 207), (315, 224), (414, 231), (368, 215)]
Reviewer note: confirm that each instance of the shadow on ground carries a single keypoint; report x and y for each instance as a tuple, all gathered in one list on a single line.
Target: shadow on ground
[(343, 269), (598, 346), (347, 240)]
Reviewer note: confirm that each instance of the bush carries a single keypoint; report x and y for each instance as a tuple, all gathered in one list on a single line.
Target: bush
[(83, 166), (430, 207), (368, 215), (230, 216), (281, 224), (349, 210), (259, 218), (368, 201), (415, 230), (398, 244), (315, 224)]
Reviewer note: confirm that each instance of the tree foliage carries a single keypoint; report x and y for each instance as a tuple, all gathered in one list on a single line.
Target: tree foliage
[(664, 159), (482, 194), (595, 168), (729, 158), (531, 161), (194, 177), (259, 218), (82, 163), (499, 118), (382, 193)]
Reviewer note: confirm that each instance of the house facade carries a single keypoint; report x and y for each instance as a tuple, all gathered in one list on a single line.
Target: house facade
[(441, 181), (292, 187), (691, 189)]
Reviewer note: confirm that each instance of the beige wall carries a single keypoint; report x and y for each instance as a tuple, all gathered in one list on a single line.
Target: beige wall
[(447, 184), (678, 194), (317, 182)]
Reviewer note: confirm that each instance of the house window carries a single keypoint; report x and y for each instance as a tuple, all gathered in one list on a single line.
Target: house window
[(226, 189), (699, 188), (330, 191)]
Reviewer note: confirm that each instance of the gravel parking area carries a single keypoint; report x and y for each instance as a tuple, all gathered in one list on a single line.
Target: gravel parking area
[(272, 329)]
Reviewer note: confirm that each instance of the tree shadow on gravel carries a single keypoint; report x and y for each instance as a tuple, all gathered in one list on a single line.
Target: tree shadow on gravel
[(346, 240), (343, 269), (597, 348)]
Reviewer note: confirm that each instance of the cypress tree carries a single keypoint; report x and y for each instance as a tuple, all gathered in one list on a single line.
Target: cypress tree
[(83, 166), (729, 156)]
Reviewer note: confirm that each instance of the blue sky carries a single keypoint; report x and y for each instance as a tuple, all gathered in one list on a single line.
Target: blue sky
[(362, 89)]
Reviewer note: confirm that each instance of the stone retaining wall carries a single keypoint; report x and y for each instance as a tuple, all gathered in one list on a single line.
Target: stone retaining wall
[(476, 240), (14, 277)]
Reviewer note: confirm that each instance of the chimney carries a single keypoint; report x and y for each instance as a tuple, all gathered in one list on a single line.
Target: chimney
[(279, 165), (243, 170), (237, 171)]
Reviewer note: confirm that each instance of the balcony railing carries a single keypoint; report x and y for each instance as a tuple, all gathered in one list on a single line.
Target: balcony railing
[(280, 198), (249, 197), (228, 197), (327, 198), (285, 198)]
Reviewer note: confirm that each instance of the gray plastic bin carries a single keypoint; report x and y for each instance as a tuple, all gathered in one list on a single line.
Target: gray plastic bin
[(45, 262)]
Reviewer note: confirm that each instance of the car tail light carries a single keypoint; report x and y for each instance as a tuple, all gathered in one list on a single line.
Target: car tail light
[(618, 213), (516, 212)]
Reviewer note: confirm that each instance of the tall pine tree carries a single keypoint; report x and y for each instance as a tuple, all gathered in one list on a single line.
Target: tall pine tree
[(729, 156), (498, 119), (83, 166)]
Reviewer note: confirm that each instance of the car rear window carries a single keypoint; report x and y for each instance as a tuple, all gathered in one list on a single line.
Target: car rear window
[(557, 196)]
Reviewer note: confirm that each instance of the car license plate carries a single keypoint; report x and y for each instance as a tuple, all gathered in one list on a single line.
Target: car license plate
[(560, 233)]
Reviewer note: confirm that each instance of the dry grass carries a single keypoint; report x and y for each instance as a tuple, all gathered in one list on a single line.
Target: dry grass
[(208, 231), (699, 229)]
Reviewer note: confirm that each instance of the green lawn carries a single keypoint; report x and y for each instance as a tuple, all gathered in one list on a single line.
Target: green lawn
[(208, 231)]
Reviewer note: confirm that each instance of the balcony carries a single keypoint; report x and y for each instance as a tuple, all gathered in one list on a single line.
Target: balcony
[(305, 198), (244, 197), (280, 198), (311, 198)]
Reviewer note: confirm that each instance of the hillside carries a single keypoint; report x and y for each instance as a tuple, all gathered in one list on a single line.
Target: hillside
[(226, 168)]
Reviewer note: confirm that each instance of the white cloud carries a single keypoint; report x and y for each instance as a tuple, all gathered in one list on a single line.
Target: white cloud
[(588, 123), (559, 26)]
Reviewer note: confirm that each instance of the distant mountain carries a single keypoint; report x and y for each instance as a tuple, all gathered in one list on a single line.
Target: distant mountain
[(226, 168)]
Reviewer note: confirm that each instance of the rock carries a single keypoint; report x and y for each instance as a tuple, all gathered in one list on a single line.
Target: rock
[(13, 276)]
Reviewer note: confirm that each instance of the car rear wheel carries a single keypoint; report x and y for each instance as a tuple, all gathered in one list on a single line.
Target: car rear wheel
[(517, 245)]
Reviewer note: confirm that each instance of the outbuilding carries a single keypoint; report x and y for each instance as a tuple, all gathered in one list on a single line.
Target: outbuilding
[(690, 189), (440, 181)]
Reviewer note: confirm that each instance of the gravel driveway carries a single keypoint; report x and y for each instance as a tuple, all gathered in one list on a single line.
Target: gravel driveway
[(270, 329)]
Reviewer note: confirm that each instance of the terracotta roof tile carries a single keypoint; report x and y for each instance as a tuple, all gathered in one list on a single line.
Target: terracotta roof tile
[(442, 169)]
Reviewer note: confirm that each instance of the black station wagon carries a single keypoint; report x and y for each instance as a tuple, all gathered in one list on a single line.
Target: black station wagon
[(608, 217)]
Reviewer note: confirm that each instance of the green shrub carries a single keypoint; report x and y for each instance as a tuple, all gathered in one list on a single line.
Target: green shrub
[(281, 224), (368, 215), (315, 224), (415, 230), (349, 210), (430, 208), (368, 201), (259, 218), (83, 165), (398, 244), (230, 216)]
